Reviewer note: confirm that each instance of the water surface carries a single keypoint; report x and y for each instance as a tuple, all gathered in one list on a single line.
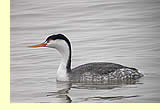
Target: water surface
[(119, 31)]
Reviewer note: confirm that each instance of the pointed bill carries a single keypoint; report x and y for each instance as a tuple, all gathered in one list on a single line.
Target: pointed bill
[(39, 45)]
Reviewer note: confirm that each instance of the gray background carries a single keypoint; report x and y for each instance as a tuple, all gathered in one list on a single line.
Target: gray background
[(120, 31)]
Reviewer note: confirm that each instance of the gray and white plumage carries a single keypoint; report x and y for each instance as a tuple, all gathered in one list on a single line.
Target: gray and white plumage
[(96, 71), (103, 71)]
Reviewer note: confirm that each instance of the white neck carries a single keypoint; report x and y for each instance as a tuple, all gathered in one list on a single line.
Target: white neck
[(63, 49)]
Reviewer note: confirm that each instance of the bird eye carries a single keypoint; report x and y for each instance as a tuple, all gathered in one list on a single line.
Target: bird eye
[(47, 41)]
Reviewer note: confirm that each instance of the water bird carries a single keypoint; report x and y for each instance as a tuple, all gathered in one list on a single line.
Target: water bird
[(94, 71)]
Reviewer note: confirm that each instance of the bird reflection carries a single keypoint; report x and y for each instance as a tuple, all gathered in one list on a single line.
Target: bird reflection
[(63, 89), (62, 92), (110, 84)]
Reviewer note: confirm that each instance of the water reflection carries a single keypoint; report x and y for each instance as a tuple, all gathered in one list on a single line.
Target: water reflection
[(63, 88), (110, 98), (110, 84), (62, 92)]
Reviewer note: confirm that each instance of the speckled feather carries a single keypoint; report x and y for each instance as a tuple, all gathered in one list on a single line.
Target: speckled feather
[(103, 71), (98, 67)]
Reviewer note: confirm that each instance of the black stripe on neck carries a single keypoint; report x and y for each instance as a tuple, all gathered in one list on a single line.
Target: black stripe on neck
[(61, 36)]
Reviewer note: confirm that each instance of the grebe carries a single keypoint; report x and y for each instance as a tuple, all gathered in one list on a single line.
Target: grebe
[(96, 71)]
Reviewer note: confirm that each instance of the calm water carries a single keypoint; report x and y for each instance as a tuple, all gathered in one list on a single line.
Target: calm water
[(120, 31)]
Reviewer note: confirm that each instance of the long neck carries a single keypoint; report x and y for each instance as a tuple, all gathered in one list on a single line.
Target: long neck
[(65, 51), (66, 58), (65, 64)]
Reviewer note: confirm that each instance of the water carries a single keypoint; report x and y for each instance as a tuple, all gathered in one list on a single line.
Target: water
[(119, 31)]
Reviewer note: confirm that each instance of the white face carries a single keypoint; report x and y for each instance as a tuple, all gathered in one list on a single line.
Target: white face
[(58, 43), (51, 43), (61, 46)]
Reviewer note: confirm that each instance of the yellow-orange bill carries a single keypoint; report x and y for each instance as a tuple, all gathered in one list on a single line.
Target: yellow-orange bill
[(40, 45)]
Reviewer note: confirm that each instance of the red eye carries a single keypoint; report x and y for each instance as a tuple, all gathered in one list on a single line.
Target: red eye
[(47, 41)]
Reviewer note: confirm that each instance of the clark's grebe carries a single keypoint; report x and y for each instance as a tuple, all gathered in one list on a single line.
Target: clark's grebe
[(97, 71)]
